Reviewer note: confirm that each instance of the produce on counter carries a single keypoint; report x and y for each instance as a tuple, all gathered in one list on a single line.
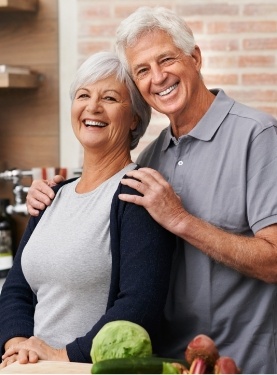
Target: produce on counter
[(120, 339), (133, 365), (226, 365), (201, 354), (123, 347), (203, 358)]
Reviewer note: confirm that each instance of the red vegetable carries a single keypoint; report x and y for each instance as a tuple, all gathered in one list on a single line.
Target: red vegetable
[(201, 354), (226, 365)]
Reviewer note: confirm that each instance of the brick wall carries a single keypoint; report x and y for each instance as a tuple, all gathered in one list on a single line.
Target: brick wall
[(238, 40)]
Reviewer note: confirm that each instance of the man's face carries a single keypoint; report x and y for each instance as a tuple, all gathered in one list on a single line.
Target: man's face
[(165, 76)]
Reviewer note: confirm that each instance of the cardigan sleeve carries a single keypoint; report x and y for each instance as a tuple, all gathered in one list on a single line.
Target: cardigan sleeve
[(141, 262), (16, 299)]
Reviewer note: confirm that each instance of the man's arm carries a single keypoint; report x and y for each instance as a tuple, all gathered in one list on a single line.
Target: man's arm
[(40, 194), (255, 257)]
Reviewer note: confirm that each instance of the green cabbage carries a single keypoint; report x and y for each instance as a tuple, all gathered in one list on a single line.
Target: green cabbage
[(120, 339)]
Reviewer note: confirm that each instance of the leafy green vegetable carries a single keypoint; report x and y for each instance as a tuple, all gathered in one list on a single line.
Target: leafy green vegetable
[(120, 339), (168, 368)]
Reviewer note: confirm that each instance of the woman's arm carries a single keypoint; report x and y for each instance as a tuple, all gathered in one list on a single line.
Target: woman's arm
[(14, 341), (142, 253), (16, 299), (30, 351)]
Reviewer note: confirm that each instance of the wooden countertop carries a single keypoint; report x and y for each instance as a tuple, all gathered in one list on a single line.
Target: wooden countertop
[(48, 367)]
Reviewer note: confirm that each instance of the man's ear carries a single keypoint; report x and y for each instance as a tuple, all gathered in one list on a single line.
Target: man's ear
[(196, 55)]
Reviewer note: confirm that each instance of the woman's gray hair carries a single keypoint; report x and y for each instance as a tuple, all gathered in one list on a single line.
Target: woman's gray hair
[(102, 65), (146, 19)]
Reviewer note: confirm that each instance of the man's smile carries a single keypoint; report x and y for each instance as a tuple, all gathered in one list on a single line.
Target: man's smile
[(167, 91)]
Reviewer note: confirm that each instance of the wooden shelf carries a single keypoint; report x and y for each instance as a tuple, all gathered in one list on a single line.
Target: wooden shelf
[(18, 5), (11, 80)]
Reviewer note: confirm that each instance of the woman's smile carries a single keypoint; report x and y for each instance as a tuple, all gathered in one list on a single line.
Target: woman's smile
[(92, 123)]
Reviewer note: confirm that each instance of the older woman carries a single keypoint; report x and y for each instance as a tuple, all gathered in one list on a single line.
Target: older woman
[(89, 258)]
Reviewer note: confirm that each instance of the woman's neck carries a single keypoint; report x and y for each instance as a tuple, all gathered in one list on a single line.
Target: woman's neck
[(98, 169)]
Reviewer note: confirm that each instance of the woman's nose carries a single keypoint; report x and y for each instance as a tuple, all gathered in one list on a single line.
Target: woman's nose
[(94, 106)]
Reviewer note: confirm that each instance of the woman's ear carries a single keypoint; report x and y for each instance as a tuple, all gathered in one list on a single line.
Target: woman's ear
[(135, 122)]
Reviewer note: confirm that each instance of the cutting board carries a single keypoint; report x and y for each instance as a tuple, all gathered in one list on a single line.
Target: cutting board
[(48, 367)]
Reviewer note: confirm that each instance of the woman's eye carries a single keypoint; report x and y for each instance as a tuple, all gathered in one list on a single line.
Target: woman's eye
[(81, 96), (110, 98)]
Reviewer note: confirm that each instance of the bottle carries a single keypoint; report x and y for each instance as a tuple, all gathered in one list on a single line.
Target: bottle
[(6, 246)]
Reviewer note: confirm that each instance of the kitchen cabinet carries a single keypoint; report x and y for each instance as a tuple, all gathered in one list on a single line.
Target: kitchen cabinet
[(12, 80), (29, 102), (18, 5)]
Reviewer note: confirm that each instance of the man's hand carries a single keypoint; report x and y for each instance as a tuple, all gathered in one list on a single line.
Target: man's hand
[(40, 194), (259, 256), (31, 350), (159, 198)]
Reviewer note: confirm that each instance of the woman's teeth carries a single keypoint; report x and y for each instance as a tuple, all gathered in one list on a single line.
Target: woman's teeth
[(167, 91), (95, 123)]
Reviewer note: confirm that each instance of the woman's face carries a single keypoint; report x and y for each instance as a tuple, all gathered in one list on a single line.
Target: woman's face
[(101, 115)]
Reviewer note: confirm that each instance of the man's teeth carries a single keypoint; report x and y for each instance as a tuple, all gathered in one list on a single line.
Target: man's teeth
[(167, 91), (95, 123)]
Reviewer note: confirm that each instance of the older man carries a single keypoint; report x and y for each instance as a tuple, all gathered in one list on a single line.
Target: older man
[(220, 157), (215, 190)]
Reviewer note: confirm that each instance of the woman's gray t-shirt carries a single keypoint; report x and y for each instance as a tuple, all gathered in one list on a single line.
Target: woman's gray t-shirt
[(67, 262)]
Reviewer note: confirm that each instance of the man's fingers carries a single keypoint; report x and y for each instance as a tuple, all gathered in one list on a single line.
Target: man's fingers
[(42, 187), (135, 184), (147, 175), (34, 205), (39, 196), (131, 199), (57, 179)]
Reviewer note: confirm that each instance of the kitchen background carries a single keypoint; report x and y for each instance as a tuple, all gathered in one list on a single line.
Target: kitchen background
[(51, 38)]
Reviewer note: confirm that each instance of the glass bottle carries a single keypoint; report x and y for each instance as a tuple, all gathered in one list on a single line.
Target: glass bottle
[(6, 246)]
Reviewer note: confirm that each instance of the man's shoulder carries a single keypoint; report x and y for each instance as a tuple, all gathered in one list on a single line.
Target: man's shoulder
[(254, 115), (244, 113)]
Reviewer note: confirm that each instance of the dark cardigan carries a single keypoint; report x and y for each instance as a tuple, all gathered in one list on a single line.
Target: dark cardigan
[(141, 261)]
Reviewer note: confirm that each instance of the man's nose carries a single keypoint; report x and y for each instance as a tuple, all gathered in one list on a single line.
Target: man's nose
[(157, 74)]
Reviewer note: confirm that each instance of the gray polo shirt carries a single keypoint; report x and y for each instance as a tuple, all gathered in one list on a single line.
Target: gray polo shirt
[(225, 171)]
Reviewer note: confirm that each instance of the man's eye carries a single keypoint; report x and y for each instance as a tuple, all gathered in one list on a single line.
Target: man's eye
[(167, 59), (141, 73)]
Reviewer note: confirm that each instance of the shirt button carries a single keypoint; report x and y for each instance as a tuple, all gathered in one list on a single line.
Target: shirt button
[(180, 162)]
